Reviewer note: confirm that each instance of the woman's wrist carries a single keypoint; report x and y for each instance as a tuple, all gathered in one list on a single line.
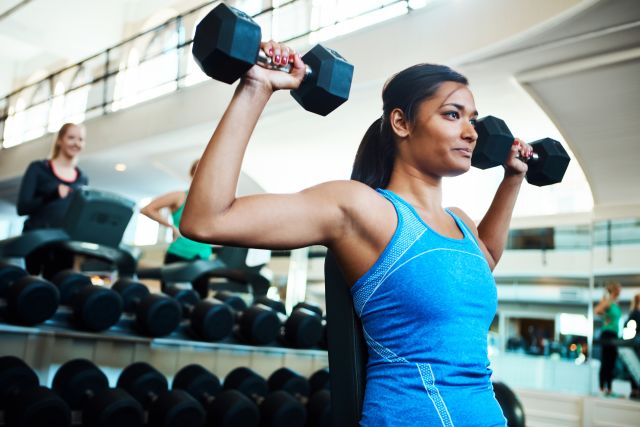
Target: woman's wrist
[(254, 88), (513, 176)]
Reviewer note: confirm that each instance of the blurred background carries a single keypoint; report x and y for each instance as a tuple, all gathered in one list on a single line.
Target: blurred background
[(565, 69)]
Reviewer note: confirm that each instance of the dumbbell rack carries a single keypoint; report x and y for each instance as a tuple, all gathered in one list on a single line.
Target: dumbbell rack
[(45, 347)]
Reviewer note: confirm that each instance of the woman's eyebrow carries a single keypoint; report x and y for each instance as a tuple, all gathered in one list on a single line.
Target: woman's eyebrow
[(461, 108)]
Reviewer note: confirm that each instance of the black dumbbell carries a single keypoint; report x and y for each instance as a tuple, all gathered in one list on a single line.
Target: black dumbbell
[(225, 408), (277, 408), (94, 308), (85, 388), (308, 306), (303, 327), (227, 43), (210, 320), (320, 380), (164, 408), (26, 300), (547, 165), (319, 404), (511, 406), (293, 383), (257, 325), (23, 402), (156, 315)]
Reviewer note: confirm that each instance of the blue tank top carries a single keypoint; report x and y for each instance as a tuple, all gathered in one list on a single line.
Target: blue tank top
[(426, 306)]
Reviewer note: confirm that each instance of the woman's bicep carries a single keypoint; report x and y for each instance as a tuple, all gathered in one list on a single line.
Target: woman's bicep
[(274, 221)]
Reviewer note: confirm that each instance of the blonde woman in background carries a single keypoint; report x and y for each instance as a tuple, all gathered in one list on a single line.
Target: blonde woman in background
[(609, 309), (44, 194)]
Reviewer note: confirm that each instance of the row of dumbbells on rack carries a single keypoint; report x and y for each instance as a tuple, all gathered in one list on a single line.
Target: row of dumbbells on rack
[(74, 300), (80, 395)]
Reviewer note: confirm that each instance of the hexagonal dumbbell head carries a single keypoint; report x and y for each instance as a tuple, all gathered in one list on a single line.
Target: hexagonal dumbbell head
[(226, 43), (551, 164), (328, 85), (493, 144)]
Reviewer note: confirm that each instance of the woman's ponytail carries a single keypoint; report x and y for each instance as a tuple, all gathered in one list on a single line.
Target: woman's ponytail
[(374, 160)]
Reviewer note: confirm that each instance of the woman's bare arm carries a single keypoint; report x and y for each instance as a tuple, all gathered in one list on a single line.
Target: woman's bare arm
[(172, 201), (493, 230), (212, 212)]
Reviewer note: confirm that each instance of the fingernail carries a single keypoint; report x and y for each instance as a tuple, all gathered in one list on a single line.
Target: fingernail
[(277, 58), (270, 51)]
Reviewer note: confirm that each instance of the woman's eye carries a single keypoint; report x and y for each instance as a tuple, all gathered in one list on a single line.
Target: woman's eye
[(473, 122), (452, 114)]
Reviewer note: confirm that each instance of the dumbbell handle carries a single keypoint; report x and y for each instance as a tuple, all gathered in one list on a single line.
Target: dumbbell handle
[(534, 157), (266, 62)]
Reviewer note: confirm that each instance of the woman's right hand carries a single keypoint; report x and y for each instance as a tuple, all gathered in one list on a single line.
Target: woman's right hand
[(273, 80)]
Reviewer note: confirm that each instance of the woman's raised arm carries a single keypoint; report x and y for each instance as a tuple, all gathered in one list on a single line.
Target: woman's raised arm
[(212, 212)]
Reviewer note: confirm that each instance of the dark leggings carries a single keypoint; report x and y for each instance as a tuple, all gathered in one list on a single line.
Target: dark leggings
[(170, 258), (607, 360)]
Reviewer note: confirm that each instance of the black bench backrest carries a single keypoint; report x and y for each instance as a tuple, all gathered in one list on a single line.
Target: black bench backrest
[(347, 348)]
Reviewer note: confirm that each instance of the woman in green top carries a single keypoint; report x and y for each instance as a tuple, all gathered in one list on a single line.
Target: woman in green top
[(181, 249), (610, 311)]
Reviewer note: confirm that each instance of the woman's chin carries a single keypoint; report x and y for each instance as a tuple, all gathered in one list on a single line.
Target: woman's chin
[(458, 171)]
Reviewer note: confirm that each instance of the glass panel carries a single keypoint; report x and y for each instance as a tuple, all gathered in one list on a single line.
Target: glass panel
[(42, 92), (116, 56), (95, 95), (75, 104), (160, 41)]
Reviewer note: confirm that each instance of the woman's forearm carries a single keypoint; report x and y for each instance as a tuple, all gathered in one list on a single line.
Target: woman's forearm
[(156, 216), (494, 227)]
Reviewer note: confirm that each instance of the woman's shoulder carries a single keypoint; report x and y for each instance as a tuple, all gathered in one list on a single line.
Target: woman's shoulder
[(349, 193), (462, 215), (365, 208), (39, 165)]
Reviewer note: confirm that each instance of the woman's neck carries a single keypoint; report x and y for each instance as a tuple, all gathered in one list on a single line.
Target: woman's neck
[(63, 161), (423, 192)]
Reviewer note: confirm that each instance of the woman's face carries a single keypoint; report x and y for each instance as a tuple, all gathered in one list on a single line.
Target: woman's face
[(442, 139), (72, 142)]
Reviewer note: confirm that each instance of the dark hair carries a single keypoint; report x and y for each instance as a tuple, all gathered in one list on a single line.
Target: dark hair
[(405, 90)]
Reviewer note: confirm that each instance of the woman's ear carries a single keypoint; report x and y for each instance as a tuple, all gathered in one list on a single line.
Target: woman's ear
[(399, 124)]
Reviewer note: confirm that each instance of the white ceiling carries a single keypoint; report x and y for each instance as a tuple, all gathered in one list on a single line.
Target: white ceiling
[(504, 47), (584, 72)]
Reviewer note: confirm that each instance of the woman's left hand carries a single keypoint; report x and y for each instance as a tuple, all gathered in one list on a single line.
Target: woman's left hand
[(515, 163)]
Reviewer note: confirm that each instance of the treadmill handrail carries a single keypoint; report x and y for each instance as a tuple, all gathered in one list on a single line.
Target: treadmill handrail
[(29, 241)]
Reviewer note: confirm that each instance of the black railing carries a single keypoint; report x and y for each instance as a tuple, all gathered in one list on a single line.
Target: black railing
[(106, 82)]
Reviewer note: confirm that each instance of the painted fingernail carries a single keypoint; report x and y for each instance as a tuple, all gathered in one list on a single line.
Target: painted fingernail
[(270, 51), (277, 58)]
